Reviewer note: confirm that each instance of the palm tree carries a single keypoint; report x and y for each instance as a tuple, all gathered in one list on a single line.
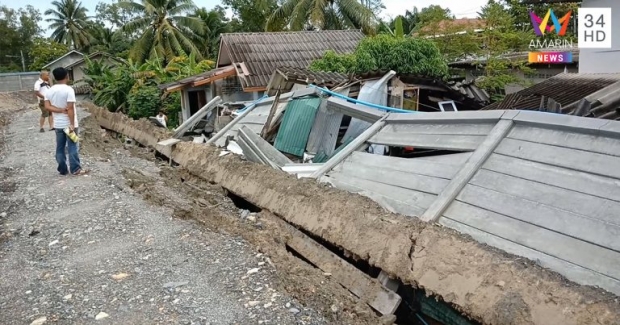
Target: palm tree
[(69, 23), (215, 23), (167, 29), (323, 14)]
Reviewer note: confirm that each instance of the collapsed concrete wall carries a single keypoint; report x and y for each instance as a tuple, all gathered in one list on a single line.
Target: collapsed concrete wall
[(490, 286)]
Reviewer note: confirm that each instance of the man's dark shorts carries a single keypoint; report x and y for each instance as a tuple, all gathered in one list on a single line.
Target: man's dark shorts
[(44, 112)]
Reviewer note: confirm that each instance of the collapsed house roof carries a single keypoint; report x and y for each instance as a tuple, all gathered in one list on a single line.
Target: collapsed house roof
[(568, 90), (285, 77), (257, 55)]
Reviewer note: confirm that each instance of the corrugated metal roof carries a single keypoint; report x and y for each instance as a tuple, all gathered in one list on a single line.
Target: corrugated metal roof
[(296, 125), (262, 53), (565, 89)]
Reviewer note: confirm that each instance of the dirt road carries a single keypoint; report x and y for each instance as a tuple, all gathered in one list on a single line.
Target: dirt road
[(89, 249)]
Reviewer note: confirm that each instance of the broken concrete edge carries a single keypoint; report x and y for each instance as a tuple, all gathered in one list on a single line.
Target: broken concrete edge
[(479, 281)]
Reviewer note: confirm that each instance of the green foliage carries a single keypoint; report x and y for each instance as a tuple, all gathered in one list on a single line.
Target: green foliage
[(144, 101), (398, 27), (216, 23), (109, 85), (500, 36), (324, 15), (334, 62), (171, 105), (404, 55), (44, 51), (18, 27), (251, 15), (166, 29), (131, 87)]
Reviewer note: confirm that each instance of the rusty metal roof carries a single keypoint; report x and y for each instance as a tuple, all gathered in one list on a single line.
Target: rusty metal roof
[(565, 89), (196, 78), (262, 53)]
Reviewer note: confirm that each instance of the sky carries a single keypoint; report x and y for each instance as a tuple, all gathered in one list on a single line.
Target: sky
[(460, 8)]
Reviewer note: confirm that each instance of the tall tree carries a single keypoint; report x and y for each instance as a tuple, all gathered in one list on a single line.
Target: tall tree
[(18, 29), (500, 36), (216, 23), (113, 14), (429, 19), (108, 40), (251, 15), (167, 28), (44, 51), (69, 22), (323, 14)]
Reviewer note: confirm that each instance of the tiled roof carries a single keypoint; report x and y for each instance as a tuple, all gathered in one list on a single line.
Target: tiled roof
[(565, 89), (91, 57), (262, 53)]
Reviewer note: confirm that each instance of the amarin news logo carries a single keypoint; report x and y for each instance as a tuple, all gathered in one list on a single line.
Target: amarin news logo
[(542, 25)]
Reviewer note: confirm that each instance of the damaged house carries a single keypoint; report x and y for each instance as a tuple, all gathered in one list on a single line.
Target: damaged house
[(246, 62)]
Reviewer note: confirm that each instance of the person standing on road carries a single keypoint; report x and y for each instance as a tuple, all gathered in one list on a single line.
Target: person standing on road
[(60, 100), (40, 87)]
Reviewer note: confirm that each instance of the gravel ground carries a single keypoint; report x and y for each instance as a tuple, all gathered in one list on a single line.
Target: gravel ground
[(82, 250)]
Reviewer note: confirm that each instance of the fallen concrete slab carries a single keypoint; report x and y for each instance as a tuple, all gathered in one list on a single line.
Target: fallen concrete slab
[(486, 284)]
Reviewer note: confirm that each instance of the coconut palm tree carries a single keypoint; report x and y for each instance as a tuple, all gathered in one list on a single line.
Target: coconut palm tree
[(167, 29), (69, 23), (323, 14), (216, 23)]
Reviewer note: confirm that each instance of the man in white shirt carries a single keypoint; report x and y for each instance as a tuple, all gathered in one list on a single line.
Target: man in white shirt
[(60, 100), (40, 87)]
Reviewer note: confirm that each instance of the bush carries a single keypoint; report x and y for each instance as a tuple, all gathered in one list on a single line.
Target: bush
[(334, 62), (404, 55), (172, 106), (144, 101)]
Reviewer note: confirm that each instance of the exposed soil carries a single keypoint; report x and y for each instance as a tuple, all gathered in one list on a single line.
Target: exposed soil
[(489, 285), (193, 198), (89, 249)]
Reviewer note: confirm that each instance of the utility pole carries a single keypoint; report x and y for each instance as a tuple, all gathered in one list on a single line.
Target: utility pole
[(22, 57), (23, 61)]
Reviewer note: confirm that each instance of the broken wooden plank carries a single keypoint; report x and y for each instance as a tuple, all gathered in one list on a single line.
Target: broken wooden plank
[(369, 290)]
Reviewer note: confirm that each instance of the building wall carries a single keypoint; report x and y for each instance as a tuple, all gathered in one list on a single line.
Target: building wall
[(18, 81), (603, 60), (73, 57)]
